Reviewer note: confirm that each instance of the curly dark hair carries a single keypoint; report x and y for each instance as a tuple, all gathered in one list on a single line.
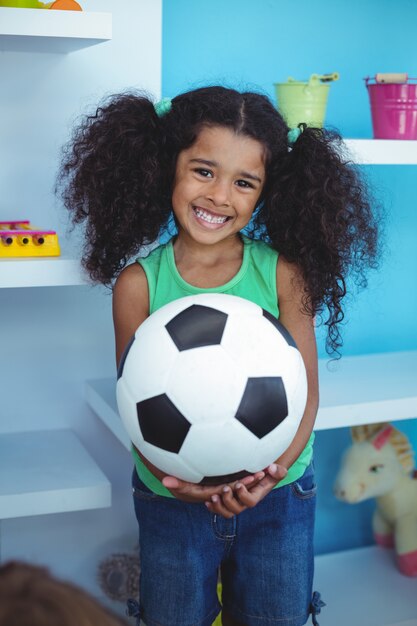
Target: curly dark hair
[(118, 171)]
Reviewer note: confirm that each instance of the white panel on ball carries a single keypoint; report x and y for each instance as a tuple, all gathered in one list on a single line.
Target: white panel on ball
[(206, 385), (145, 372), (271, 447), (170, 462), (255, 344), (220, 447)]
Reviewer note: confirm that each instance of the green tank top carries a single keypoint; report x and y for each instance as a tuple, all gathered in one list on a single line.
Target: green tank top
[(255, 281)]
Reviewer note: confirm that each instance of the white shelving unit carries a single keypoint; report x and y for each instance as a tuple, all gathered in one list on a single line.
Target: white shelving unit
[(367, 389), (58, 475), (363, 587), (382, 151), (41, 272), (59, 31), (101, 397), (361, 389), (48, 472)]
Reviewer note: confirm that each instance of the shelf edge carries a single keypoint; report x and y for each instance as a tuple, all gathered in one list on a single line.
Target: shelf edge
[(55, 24)]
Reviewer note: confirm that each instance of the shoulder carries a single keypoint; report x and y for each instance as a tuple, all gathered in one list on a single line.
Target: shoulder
[(130, 280), (131, 289), (290, 282)]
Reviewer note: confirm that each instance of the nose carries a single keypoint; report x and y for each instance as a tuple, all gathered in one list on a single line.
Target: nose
[(219, 192)]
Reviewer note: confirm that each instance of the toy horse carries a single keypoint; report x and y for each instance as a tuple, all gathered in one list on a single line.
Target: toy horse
[(380, 465)]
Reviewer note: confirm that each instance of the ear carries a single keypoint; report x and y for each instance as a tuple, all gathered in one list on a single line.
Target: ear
[(356, 433), (382, 437)]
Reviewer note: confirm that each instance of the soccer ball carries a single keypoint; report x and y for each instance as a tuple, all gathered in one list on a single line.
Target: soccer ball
[(211, 388)]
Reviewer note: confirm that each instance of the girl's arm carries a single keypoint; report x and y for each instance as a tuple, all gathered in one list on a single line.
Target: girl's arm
[(301, 326), (130, 309), (130, 305)]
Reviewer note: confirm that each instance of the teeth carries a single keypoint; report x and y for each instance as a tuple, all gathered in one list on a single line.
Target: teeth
[(207, 217)]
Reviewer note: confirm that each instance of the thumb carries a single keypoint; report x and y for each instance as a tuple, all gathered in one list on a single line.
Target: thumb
[(277, 471), (170, 482)]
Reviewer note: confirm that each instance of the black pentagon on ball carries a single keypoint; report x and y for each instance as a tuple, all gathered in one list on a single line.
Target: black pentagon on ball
[(263, 406), (280, 328), (224, 478), (197, 326), (161, 423)]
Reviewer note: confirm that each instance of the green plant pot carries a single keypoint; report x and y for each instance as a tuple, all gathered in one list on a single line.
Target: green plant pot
[(25, 4)]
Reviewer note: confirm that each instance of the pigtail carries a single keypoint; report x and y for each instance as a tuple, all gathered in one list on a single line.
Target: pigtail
[(318, 214), (110, 178)]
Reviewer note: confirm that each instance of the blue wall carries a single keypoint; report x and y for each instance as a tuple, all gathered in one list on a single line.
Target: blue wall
[(248, 44)]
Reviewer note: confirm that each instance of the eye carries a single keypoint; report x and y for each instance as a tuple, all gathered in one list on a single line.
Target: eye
[(375, 469), (202, 172), (244, 184)]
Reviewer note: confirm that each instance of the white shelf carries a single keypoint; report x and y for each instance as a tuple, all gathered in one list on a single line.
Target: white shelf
[(367, 389), (101, 397), (364, 587), (360, 390), (48, 472), (61, 30), (382, 151), (41, 272)]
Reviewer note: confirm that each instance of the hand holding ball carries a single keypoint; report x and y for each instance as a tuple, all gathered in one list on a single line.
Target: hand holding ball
[(211, 387)]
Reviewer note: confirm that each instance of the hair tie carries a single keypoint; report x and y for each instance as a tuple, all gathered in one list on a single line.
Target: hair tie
[(294, 133), (163, 107)]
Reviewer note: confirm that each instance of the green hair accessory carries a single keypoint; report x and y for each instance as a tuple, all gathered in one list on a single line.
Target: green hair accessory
[(294, 133), (163, 107)]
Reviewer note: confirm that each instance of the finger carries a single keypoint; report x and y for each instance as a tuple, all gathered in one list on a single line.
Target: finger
[(218, 507), (247, 480), (170, 482), (214, 505), (247, 498), (259, 491), (230, 501), (183, 486), (190, 492), (277, 471)]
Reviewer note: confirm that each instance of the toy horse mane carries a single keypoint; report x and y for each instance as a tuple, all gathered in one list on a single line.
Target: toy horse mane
[(381, 433)]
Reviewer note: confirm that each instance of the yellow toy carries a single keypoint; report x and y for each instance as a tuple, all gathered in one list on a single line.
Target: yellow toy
[(22, 239), (218, 620)]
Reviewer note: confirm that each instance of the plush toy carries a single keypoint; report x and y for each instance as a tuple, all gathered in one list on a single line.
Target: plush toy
[(380, 464)]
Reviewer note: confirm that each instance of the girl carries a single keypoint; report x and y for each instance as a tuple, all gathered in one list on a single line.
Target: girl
[(259, 211)]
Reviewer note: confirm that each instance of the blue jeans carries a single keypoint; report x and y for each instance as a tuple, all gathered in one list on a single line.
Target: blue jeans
[(265, 556)]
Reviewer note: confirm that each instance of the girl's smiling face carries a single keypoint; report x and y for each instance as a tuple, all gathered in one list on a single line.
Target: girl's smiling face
[(218, 183)]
